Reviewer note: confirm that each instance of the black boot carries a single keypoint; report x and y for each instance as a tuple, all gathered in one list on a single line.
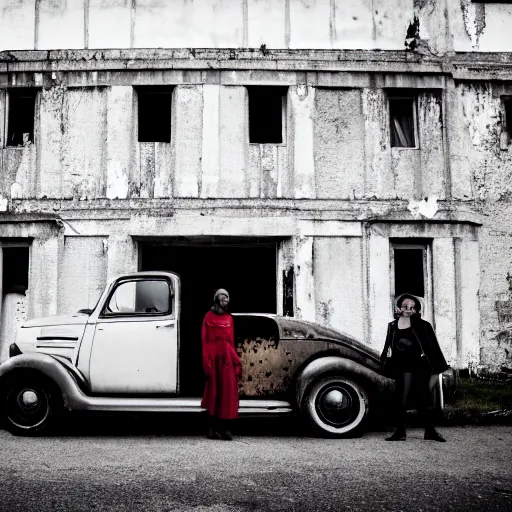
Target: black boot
[(398, 435), (225, 434), (213, 428), (431, 434)]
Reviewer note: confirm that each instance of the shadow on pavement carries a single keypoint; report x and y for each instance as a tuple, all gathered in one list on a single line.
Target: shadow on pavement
[(171, 425)]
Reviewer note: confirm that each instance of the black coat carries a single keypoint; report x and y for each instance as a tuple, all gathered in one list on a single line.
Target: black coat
[(427, 340)]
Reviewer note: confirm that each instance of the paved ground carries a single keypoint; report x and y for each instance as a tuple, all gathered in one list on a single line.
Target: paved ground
[(148, 468)]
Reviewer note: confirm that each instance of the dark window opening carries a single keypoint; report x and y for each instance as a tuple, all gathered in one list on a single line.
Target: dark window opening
[(20, 124), (409, 271), (15, 269), (507, 118), (402, 122), (266, 113), (154, 114)]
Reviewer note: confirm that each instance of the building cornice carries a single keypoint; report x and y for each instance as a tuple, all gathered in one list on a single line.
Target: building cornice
[(460, 65)]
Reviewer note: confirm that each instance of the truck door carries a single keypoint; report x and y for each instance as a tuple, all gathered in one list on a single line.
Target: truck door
[(136, 339)]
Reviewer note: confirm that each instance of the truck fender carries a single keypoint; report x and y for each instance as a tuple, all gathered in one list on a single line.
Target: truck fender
[(48, 366), (336, 365)]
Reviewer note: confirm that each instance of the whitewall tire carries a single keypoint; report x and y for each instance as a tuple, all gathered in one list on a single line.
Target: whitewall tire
[(336, 407)]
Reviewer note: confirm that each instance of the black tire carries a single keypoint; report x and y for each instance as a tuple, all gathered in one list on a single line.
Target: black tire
[(29, 405), (336, 407)]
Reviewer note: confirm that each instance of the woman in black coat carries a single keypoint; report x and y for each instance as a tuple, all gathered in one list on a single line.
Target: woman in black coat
[(411, 356)]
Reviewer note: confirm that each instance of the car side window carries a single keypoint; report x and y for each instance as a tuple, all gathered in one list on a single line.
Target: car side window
[(141, 297)]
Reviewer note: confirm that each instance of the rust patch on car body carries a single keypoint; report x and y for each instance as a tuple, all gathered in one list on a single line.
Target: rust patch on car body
[(272, 349)]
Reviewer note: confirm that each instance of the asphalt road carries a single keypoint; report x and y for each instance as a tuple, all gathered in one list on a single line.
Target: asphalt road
[(133, 466)]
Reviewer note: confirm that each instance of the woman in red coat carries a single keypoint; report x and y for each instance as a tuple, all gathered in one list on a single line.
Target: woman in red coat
[(221, 366)]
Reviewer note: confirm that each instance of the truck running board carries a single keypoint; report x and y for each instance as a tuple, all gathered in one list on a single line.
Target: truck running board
[(178, 405)]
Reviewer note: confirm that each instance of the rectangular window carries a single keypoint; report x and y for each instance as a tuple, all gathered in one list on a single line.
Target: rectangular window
[(154, 113), (402, 121), (14, 269), (410, 268), (20, 122), (267, 114), (140, 297), (506, 122)]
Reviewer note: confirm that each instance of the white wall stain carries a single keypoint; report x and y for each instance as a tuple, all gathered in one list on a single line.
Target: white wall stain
[(474, 20), (425, 208)]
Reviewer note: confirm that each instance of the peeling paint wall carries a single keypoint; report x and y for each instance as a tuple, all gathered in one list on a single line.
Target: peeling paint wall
[(482, 169), (442, 25), (496, 289), (339, 293), (481, 27), (339, 144), (13, 313), (475, 145), (83, 273)]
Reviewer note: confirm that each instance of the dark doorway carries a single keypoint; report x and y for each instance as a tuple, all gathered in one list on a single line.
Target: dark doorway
[(247, 269)]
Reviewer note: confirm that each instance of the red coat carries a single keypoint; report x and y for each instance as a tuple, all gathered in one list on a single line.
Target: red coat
[(221, 366)]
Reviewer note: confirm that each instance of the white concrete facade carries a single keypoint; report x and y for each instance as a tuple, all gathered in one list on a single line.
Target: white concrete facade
[(333, 196), (445, 25)]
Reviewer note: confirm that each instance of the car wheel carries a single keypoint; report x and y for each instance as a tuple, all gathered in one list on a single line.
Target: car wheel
[(28, 406), (336, 407)]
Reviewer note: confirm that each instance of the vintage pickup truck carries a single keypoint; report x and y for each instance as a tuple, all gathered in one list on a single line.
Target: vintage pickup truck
[(125, 355)]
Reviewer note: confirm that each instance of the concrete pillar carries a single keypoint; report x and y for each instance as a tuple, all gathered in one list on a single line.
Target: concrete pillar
[(445, 296), (379, 289), (210, 172), (379, 177), (339, 283), (120, 140), (469, 303), (188, 108), (234, 137), (301, 103), (45, 266), (121, 255)]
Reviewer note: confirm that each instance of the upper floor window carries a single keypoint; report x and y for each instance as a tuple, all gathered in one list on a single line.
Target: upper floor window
[(403, 120), (267, 114), (20, 121), (154, 113)]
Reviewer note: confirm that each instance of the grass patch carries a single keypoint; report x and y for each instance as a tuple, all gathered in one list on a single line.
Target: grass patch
[(475, 398)]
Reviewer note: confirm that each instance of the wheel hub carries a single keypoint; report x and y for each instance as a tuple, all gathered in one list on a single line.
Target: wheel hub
[(29, 399), (337, 405), (335, 399)]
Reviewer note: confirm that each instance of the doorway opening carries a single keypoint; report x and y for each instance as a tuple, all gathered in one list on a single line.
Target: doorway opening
[(245, 267)]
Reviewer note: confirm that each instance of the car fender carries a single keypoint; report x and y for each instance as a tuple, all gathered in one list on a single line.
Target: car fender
[(340, 366), (50, 367)]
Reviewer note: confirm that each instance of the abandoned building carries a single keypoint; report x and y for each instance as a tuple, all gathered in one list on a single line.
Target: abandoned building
[(314, 157)]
